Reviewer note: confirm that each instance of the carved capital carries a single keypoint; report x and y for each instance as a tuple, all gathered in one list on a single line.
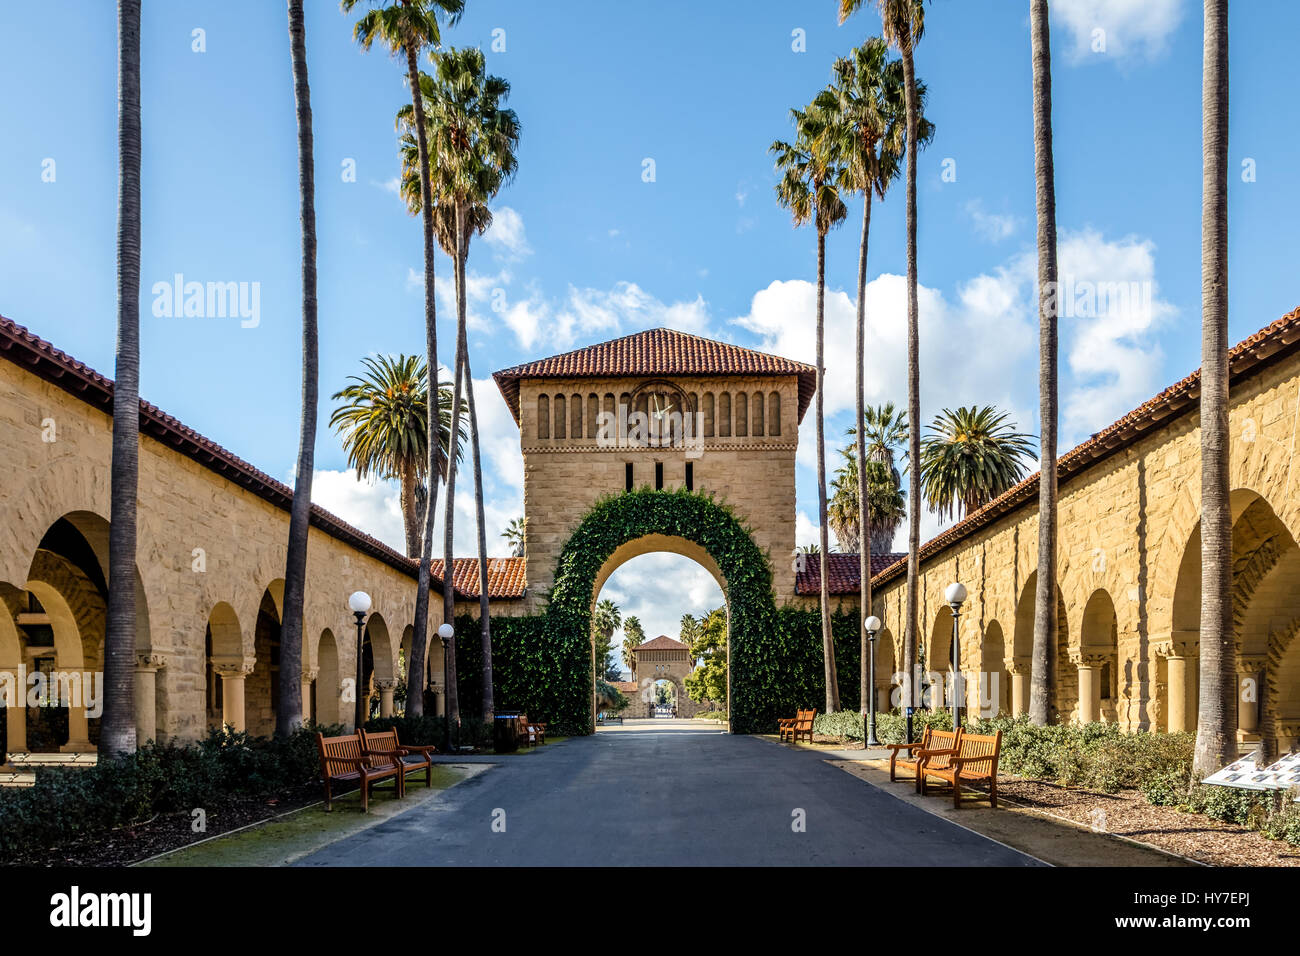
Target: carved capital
[(310, 675), (1089, 657), (388, 684), (229, 670), (1017, 666), (149, 662), (1178, 650)]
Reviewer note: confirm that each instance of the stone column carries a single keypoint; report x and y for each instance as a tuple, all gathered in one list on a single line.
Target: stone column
[(1089, 667), (78, 724), (1180, 663), (146, 685), (1018, 668), (1250, 668), (386, 688), (16, 717), (308, 678), (232, 674)]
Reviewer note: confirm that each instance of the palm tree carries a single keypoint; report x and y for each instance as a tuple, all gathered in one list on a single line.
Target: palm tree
[(1045, 616), (886, 429), (810, 187), (407, 28), (886, 504), (971, 456), (288, 715), (117, 728), (384, 429), (633, 637), (474, 138), (514, 534), (605, 620), (869, 111), (903, 23), (1216, 725)]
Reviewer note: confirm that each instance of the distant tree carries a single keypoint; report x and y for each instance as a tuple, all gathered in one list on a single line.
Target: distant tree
[(633, 637), (885, 501), (971, 456), (709, 680), (514, 534), (605, 620)]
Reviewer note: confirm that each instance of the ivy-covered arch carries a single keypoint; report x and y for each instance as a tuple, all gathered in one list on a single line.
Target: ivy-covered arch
[(756, 652)]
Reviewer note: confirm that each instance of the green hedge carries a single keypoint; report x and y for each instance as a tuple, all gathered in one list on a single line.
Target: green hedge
[(761, 683), (69, 806), (536, 668)]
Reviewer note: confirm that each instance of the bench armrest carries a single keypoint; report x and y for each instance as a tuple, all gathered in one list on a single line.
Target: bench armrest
[(420, 748), (949, 751), (907, 747)]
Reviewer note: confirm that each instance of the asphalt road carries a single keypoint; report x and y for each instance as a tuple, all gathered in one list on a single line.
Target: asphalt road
[(665, 793)]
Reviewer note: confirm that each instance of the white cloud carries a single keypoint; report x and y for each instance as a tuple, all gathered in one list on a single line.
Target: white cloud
[(1116, 364), (507, 233), (992, 226), (586, 313), (658, 588), (1137, 29), (370, 506)]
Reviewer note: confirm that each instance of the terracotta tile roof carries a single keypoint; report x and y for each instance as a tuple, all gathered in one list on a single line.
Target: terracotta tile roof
[(505, 577), (843, 572), (1248, 357), (662, 643), (626, 686), (664, 352), (39, 357)]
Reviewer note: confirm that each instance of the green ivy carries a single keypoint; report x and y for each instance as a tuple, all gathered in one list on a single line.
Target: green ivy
[(541, 664)]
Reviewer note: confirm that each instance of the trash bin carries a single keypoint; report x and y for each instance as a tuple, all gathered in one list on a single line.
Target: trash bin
[(503, 733)]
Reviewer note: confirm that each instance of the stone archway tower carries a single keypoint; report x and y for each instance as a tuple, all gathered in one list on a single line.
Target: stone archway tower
[(661, 659), (658, 409)]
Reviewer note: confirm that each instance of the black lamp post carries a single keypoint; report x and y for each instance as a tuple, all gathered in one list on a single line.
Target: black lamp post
[(872, 625), (359, 604), (446, 632), (955, 595)]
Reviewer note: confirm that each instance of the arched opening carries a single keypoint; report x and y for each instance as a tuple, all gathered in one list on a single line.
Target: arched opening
[(886, 674), (378, 668), (995, 693), (674, 664), (262, 688), (224, 668), (327, 688), (939, 682), (1265, 564), (1061, 682), (52, 642), (1098, 659)]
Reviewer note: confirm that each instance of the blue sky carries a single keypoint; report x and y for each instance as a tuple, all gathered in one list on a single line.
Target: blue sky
[(585, 249)]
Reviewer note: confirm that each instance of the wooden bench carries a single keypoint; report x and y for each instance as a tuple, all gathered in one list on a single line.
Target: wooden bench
[(384, 745), (974, 758), (909, 756), (800, 725), (343, 760), (528, 733)]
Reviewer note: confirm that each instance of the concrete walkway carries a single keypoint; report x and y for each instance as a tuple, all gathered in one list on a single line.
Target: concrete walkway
[(666, 793)]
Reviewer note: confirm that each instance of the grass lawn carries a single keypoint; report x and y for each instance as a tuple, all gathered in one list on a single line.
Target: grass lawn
[(284, 839)]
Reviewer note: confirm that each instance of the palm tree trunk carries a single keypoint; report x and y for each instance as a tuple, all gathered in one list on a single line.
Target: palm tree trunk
[(1216, 726), (864, 508), (288, 716), (913, 389), (828, 642), (484, 613), (1045, 617), (418, 668), (411, 515), (117, 729), (449, 505)]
